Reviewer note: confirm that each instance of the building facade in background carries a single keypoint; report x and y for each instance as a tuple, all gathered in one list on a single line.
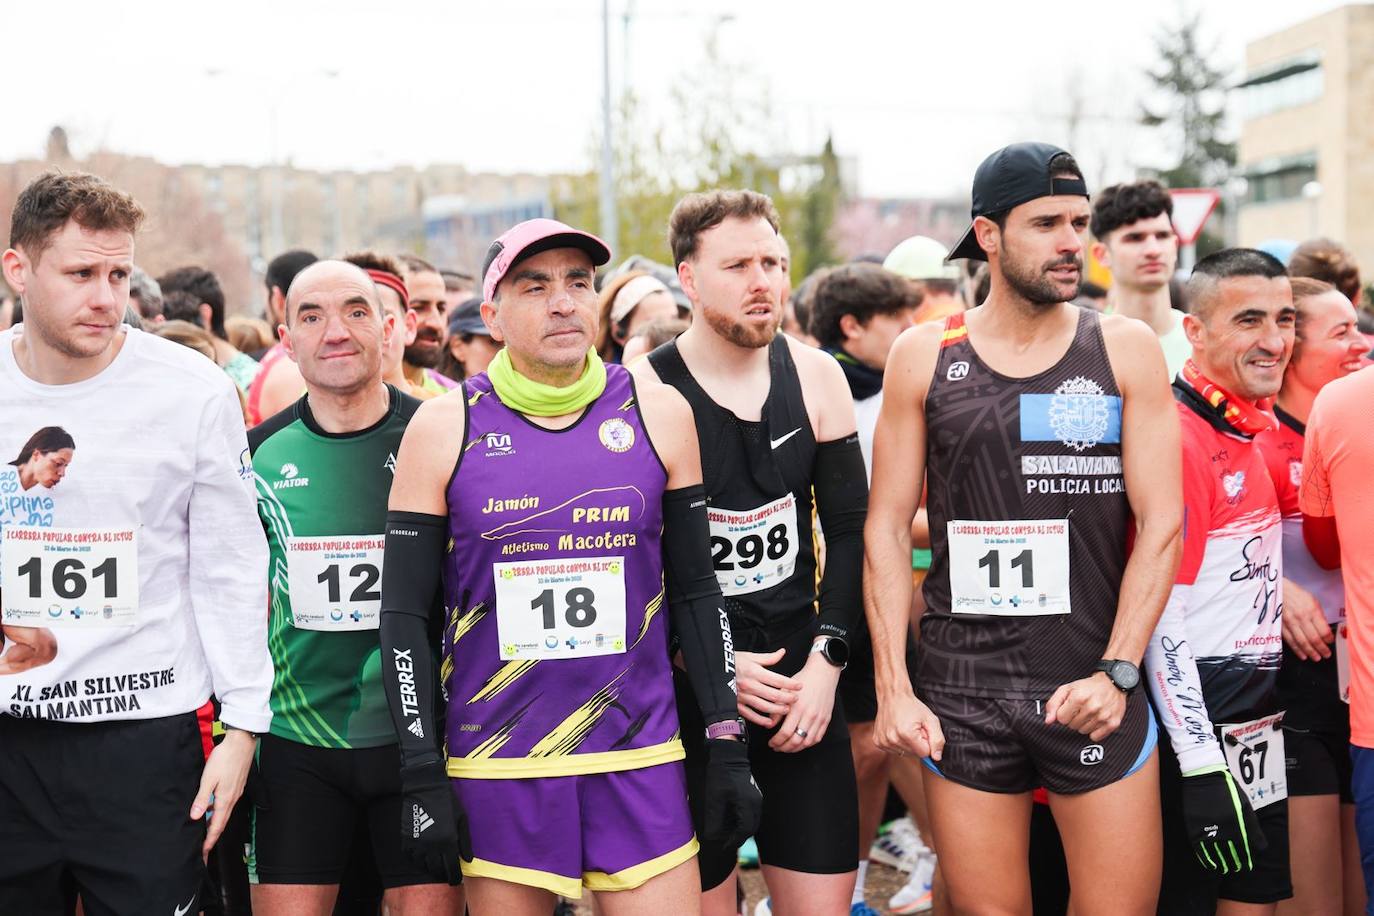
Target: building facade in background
[(1307, 133)]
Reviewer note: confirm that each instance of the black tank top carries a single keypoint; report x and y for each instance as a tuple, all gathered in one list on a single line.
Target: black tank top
[(1045, 448), (757, 477)]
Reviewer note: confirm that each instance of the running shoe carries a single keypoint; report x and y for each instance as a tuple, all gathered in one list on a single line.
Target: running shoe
[(765, 907), (916, 896), (898, 846), (749, 854)]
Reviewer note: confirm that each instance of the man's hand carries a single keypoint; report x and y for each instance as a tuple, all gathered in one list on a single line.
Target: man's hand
[(221, 783), (1092, 706), (734, 804), (809, 717), (905, 725), (1220, 822), (1304, 624), (25, 648), (434, 827), (764, 696)]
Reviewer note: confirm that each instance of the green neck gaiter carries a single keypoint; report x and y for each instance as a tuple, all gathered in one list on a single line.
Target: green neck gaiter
[(535, 399)]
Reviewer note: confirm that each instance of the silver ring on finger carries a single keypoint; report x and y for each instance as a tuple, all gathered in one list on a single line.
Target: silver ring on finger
[(801, 732)]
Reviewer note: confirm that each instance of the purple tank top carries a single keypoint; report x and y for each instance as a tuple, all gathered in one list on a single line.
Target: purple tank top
[(555, 644)]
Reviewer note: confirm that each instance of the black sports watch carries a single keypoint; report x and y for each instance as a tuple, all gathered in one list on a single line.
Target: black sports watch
[(1123, 674), (834, 649)]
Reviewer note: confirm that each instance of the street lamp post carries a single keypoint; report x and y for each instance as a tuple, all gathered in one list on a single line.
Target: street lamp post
[(609, 227)]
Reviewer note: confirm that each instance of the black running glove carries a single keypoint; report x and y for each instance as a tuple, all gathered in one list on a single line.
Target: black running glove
[(1221, 824), (734, 804), (434, 827)]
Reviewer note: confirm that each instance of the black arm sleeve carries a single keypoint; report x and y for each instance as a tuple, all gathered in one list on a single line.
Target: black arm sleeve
[(696, 610), (410, 582), (841, 488)]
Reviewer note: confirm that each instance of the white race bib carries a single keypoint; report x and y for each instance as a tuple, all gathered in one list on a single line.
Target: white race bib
[(336, 582), (1254, 753), (1343, 660), (754, 549), (70, 577), (553, 609), (1009, 569)]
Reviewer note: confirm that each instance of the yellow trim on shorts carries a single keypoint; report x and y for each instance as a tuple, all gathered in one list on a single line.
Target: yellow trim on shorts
[(561, 885), (566, 764), (632, 877)]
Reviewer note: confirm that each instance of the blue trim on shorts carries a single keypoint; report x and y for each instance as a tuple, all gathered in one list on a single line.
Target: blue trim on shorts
[(1151, 739), (930, 765)]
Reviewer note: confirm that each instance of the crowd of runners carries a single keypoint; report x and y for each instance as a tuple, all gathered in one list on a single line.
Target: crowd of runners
[(556, 581)]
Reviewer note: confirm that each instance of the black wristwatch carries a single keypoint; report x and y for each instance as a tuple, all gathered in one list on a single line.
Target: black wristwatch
[(833, 648), (1123, 674)]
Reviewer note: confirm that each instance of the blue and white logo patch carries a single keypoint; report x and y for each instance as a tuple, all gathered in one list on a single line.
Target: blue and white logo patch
[(1079, 415)]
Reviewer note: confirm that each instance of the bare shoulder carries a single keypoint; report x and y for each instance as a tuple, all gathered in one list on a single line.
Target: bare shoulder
[(438, 415), (813, 364), (911, 362), (669, 422), (643, 371), (1135, 354)]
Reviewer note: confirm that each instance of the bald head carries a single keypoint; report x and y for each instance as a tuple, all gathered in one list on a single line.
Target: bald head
[(330, 280)]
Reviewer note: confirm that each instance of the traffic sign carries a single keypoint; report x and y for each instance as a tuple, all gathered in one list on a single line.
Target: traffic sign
[(1192, 207)]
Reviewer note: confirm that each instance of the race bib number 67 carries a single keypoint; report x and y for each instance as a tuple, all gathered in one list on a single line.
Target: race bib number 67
[(1009, 569), (70, 577)]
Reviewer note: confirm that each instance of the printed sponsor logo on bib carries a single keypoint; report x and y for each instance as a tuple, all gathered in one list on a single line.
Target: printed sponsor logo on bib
[(559, 609), (70, 577), (336, 582), (1254, 754), (1009, 569), (754, 549)]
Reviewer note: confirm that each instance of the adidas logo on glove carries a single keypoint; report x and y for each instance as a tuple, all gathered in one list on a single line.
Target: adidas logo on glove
[(420, 820)]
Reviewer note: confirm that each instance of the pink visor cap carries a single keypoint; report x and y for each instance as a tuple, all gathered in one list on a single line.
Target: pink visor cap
[(530, 238)]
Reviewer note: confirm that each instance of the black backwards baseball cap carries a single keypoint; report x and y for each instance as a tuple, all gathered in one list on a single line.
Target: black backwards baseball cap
[(1012, 176)]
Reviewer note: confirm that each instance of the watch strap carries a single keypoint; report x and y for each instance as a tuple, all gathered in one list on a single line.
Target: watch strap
[(730, 728)]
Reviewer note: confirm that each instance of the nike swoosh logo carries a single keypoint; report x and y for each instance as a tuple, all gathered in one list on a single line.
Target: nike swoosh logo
[(776, 442), (183, 910)]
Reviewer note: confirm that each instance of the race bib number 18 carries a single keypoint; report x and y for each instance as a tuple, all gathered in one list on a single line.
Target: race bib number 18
[(1009, 569), (336, 582), (555, 609), (70, 577)]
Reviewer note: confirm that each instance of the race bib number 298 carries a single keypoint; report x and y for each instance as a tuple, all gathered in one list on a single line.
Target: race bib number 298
[(70, 577)]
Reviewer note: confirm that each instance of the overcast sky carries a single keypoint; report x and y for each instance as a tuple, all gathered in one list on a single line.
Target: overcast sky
[(917, 91)]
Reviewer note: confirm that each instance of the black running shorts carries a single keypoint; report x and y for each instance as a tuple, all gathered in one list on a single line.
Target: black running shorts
[(309, 804), (107, 803), (810, 800), (1001, 745)]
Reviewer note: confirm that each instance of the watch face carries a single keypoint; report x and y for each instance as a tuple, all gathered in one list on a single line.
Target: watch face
[(1126, 675), (837, 651)]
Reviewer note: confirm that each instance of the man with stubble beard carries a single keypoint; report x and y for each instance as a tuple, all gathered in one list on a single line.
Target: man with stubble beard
[(776, 424), (430, 308), (1044, 434)]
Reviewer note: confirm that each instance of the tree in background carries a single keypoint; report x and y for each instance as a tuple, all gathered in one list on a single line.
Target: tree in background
[(714, 136), (1188, 99)]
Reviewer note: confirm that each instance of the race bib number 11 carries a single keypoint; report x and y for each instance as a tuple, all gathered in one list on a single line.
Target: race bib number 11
[(70, 577), (1009, 569)]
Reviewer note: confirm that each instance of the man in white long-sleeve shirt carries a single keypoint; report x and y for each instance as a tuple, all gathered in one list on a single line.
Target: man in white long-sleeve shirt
[(129, 545)]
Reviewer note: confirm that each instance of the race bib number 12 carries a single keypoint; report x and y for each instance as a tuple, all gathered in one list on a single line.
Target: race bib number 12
[(70, 577), (1009, 569), (557, 609), (336, 582)]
